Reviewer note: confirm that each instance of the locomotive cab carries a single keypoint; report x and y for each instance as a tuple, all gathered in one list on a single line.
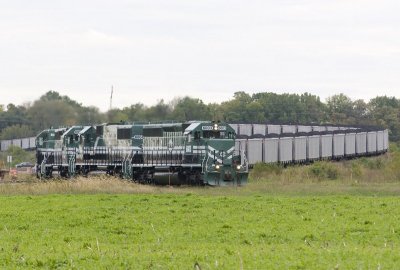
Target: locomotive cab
[(49, 138), (212, 145)]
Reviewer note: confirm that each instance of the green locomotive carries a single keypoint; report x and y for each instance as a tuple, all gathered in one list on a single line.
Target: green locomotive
[(197, 152), (200, 153), (213, 146)]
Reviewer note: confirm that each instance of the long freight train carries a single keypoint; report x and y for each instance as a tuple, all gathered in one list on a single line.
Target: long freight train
[(196, 152)]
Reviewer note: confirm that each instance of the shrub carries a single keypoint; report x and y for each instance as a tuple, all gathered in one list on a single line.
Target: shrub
[(262, 170), (268, 168), (324, 170), (356, 169), (372, 163)]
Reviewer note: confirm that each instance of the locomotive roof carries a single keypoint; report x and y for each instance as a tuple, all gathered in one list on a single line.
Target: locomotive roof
[(190, 128), (84, 130), (162, 125)]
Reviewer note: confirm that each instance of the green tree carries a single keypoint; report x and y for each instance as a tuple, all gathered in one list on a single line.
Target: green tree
[(16, 131), (385, 111), (190, 109), (233, 110), (135, 112), (45, 114), (158, 112), (116, 116), (90, 116), (360, 112), (53, 95), (340, 109)]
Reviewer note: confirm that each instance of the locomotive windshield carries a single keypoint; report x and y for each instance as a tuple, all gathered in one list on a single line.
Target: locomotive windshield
[(211, 134)]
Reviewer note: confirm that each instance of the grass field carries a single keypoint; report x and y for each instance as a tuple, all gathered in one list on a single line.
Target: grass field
[(267, 226), (329, 215)]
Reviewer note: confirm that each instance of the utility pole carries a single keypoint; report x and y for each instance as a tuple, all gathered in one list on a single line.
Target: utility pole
[(112, 90)]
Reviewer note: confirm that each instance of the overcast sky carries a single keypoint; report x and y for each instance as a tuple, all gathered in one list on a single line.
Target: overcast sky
[(152, 50)]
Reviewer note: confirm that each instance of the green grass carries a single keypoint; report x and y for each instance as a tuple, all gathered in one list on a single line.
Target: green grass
[(180, 231), (328, 215)]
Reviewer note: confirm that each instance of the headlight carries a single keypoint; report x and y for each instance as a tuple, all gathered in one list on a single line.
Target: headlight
[(238, 167), (217, 166)]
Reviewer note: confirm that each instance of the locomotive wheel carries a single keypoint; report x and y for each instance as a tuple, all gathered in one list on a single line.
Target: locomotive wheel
[(182, 178), (48, 173), (63, 172)]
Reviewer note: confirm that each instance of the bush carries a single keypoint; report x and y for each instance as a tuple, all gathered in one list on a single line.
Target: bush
[(268, 168), (324, 170), (372, 163), (261, 170)]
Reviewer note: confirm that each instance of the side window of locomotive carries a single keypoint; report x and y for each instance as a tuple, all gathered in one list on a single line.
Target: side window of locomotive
[(123, 134), (99, 130), (197, 135)]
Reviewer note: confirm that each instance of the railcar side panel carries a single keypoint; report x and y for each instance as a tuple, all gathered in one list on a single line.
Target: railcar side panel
[(274, 129), (350, 144), (380, 141), (5, 144), (338, 145), (289, 129), (259, 129), (25, 143), (386, 140), (371, 142), (361, 143), (305, 129), (246, 129), (255, 151), (300, 149), (271, 150), (326, 146), (286, 149), (313, 146)]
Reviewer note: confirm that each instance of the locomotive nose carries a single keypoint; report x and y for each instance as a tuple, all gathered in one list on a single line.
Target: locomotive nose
[(228, 175)]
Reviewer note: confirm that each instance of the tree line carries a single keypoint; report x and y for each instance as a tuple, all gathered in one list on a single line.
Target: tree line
[(53, 109)]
